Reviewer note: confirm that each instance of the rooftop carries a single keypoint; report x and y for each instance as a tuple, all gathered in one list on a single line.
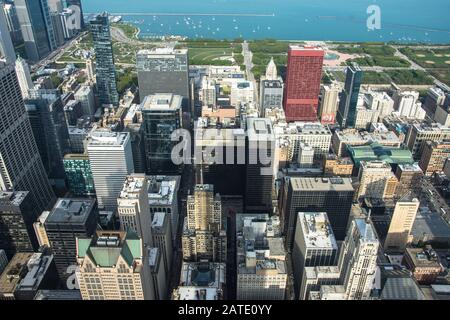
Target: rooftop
[(317, 230), (162, 102), (162, 190), (161, 51), (14, 198), (259, 129), (423, 258), (132, 186), (365, 230), (68, 211), (103, 138), (105, 248), (37, 269), (321, 184), (15, 271)]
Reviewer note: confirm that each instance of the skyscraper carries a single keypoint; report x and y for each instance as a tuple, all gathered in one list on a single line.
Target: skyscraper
[(105, 69), (111, 161), (114, 265), (13, 22), (314, 245), (304, 74), (329, 102), (376, 180), (163, 70), (133, 209), (162, 239), (358, 260), (401, 223), (46, 114), (346, 116), (260, 165), (162, 116), (16, 223), (331, 195), (24, 77), (79, 174), (21, 165), (68, 220), (6, 44), (77, 3), (37, 28), (261, 258), (204, 236)]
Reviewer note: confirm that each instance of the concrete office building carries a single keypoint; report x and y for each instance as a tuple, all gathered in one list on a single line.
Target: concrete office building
[(376, 180), (316, 277), (409, 179), (85, 95), (13, 274), (163, 70), (204, 236), (158, 277), (271, 89), (133, 209), (419, 133), (162, 239), (37, 28), (358, 260), (114, 265), (163, 197), (331, 195), (399, 234), (68, 220), (314, 245), (111, 161), (434, 155), (329, 103), (312, 134), (105, 67), (424, 264), (16, 223), (27, 174), (39, 229), (24, 77), (40, 275), (201, 281), (261, 258)]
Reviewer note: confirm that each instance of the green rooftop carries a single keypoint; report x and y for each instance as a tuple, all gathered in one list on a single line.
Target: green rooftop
[(107, 246), (375, 151)]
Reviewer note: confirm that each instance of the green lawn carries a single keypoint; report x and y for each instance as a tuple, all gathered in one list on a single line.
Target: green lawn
[(129, 30), (411, 77), (429, 58), (201, 56)]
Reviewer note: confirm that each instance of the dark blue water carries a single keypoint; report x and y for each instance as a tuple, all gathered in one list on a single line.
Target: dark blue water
[(339, 20)]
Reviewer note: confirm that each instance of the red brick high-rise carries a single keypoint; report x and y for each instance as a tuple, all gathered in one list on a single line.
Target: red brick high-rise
[(304, 73)]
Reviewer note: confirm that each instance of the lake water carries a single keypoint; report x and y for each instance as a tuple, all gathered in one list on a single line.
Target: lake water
[(339, 20)]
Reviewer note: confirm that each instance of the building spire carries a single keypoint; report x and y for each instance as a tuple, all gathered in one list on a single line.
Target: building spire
[(271, 70)]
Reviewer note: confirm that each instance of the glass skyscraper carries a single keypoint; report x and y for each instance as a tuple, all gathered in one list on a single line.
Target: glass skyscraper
[(105, 69), (346, 116), (162, 116), (37, 28), (79, 175)]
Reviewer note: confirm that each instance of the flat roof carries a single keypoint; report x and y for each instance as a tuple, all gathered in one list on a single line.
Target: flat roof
[(321, 184), (317, 232), (162, 102), (68, 210), (14, 272)]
